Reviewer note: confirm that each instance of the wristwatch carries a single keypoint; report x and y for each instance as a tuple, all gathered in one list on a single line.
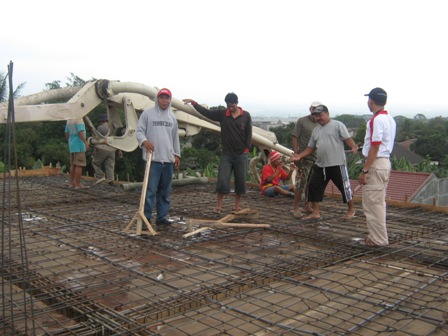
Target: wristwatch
[(364, 171)]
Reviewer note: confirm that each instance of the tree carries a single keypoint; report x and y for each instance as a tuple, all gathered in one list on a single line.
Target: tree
[(4, 93), (284, 134), (350, 121), (208, 140), (405, 130), (419, 116), (432, 145), (41, 140), (360, 134)]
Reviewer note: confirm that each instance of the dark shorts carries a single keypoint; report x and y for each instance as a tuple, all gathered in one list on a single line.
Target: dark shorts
[(78, 159), (320, 177), (232, 163)]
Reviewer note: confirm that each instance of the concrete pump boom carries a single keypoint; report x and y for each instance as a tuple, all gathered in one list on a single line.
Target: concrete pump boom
[(128, 96)]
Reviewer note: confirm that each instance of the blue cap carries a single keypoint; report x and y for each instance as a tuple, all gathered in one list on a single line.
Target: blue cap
[(378, 95)]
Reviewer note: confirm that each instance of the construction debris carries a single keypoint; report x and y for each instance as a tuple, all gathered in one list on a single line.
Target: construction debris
[(224, 222)]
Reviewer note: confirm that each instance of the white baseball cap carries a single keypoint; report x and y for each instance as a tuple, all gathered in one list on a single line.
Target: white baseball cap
[(315, 103)]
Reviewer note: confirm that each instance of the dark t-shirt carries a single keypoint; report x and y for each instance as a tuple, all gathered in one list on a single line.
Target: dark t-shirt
[(236, 133)]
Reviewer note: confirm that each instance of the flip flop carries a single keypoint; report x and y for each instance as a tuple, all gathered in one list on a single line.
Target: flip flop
[(217, 210), (235, 211), (82, 187), (297, 214), (348, 217), (311, 217)]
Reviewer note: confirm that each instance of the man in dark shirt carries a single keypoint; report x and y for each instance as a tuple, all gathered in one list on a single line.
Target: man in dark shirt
[(236, 138)]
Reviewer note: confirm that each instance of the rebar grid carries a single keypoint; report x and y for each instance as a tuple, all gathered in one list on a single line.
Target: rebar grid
[(298, 277)]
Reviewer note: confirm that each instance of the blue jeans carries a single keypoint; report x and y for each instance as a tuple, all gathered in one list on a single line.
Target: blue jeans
[(271, 193), (158, 189), (237, 164)]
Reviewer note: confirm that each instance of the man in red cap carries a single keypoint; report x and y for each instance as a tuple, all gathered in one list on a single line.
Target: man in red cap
[(157, 132), (272, 174)]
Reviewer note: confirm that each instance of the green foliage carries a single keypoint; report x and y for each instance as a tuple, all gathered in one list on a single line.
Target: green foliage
[(207, 140), (211, 170), (56, 84), (200, 160), (353, 165), (432, 144), (284, 134), (360, 134), (4, 88), (53, 152), (405, 129), (44, 140), (131, 167), (427, 166), (72, 81), (350, 121), (402, 165)]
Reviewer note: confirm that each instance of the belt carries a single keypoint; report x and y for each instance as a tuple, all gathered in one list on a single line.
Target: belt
[(382, 157)]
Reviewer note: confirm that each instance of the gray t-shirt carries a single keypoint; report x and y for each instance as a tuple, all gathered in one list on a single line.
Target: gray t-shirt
[(302, 131), (103, 129), (329, 143)]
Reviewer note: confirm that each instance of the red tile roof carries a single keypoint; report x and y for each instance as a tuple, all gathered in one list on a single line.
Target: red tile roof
[(402, 185)]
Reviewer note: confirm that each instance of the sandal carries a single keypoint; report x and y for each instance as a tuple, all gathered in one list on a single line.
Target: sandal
[(297, 214), (348, 217), (82, 187), (368, 242), (217, 210), (309, 217), (236, 210)]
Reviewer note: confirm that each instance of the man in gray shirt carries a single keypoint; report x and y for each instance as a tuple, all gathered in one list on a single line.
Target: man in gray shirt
[(327, 140), (157, 132)]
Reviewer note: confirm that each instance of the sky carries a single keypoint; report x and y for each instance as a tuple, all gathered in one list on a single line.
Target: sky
[(277, 56)]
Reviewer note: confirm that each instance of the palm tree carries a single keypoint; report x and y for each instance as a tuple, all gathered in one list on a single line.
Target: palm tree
[(405, 130), (4, 88)]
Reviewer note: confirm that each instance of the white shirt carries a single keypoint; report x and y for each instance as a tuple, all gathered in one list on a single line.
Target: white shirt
[(380, 131)]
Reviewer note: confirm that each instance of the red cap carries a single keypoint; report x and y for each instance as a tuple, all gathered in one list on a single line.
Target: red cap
[(164, 91), (274, 155)]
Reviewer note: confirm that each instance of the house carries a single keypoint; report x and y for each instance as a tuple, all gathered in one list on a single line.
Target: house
[(408, 187), (401, 150)]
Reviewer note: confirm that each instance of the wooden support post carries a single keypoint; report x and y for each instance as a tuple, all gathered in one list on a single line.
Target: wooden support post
[(140, 215)]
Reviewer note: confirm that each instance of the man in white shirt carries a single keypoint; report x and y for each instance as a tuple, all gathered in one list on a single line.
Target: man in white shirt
[(374, 177)]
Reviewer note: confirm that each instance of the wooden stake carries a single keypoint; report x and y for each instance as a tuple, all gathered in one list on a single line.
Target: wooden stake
[(140, 215)]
